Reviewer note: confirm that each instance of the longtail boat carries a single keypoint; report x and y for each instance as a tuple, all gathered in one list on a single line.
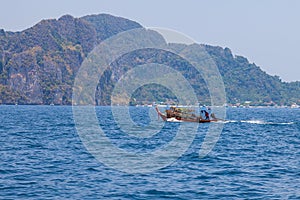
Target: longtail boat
[(184, 115)]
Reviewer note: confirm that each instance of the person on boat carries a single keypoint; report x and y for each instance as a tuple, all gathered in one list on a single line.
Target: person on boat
[(169, 113), (209, 113), (206, 115), (213, 116), (204, 112)]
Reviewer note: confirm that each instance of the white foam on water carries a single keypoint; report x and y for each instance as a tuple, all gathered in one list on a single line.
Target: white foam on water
[(266, 123), (254, 121)]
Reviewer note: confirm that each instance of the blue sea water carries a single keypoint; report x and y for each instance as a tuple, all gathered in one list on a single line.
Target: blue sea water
[(256, 157)]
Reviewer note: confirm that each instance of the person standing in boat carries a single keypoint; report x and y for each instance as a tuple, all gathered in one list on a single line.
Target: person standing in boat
[(204, 114)]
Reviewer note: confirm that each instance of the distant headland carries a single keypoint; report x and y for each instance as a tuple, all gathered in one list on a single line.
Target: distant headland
[(38, 66)]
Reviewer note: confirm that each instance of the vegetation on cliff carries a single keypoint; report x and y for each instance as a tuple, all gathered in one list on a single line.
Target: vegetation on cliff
[(39, 65)]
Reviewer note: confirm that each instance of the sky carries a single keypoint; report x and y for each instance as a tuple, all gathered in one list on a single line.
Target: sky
[(267, 32)]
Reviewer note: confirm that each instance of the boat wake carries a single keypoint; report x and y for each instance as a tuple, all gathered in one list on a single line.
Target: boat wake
[(261, 122)]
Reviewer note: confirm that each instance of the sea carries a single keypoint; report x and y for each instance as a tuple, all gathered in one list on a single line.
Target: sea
[(45, 155)]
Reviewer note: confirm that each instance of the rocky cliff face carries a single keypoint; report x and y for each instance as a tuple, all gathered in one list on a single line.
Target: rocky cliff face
[(38, 65)]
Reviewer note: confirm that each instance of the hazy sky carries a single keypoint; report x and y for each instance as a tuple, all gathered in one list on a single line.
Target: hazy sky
[(267, 32)]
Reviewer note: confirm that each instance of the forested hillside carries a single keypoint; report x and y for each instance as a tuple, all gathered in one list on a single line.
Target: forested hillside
[(39, 65)]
